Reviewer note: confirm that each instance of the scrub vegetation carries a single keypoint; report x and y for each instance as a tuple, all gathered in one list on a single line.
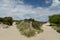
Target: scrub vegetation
[(6, 20), (29, 27), (55, 22)]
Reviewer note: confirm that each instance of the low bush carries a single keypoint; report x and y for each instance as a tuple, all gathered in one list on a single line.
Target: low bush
[(7, 20), (55, 19)]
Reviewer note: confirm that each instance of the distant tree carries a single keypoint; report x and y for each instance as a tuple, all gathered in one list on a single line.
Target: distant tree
[(8, 20), (31, 20), (55, 19), (1, 19)]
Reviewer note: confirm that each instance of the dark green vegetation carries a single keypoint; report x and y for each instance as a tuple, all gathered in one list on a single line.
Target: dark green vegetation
[(55, 22), (29, 27), (7, 20)]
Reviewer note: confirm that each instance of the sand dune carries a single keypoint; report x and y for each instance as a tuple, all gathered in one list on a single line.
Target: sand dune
[(12, 33)]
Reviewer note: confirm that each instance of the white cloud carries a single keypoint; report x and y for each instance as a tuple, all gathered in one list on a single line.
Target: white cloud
[(12, 8), (56, 2)]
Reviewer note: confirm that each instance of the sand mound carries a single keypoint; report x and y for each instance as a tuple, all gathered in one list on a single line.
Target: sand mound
[(12, 33)]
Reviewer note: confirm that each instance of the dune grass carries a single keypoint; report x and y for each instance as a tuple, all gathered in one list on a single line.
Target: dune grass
[(25, 30), (28, 31)]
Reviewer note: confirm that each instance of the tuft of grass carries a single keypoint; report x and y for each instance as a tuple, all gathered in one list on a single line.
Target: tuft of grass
[(29, 33)]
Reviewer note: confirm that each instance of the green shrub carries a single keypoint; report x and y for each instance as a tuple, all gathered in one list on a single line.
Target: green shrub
[(7, 20), (29, 20), (55, 19), (1, 19)]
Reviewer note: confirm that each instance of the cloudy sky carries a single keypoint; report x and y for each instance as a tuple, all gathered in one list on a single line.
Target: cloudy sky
[(37, 9)]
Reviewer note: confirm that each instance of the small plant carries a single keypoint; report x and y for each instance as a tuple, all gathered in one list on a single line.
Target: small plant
[(29, 33)]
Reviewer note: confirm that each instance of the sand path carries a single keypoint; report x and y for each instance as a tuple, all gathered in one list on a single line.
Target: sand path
[(12, 33)]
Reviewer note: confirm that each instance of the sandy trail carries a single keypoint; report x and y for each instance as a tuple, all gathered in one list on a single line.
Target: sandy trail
[(49, 33), (12, 33)]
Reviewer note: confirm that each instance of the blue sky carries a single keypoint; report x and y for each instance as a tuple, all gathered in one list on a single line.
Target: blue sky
[(37, 9), (40, 3)]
